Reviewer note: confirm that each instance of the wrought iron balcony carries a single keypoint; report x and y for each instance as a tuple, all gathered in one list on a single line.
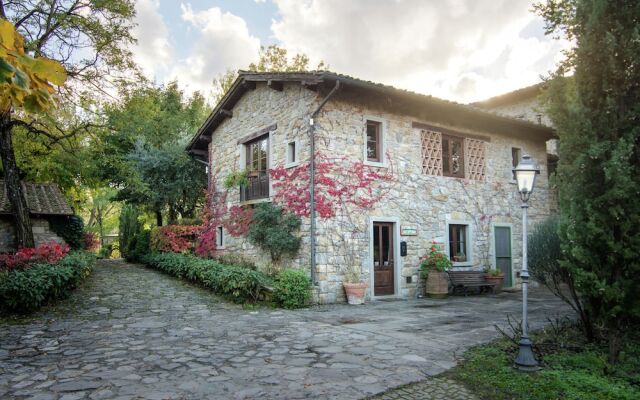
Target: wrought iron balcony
[(257, 186)]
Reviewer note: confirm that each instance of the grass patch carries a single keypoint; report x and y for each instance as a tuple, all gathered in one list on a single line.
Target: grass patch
[(568, 372)]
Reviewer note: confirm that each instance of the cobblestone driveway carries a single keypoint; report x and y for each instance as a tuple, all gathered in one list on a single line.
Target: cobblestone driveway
[(130, 332)]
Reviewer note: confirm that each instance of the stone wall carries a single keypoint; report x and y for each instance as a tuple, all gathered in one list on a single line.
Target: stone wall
[(256, 110), (41, 233), (428, 202)]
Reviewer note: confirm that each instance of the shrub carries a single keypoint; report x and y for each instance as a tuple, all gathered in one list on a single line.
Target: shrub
[(105, 251), (544, 253), (91, 241), (292, 289), (206, 243), (236, 283), (174, 238), (48, 252), (28, 289), (236, 260), (139, 246), (69, 228), (272, 230), (129, 227)]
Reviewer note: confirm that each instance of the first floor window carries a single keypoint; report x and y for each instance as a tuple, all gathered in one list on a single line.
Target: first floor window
[(458, 243), (374, 141)]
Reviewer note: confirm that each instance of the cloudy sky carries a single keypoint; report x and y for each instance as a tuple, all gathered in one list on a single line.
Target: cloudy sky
[(462, 50)]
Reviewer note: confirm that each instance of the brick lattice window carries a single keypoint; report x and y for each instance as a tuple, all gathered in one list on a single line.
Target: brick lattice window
[(431, 152), (474, 153)]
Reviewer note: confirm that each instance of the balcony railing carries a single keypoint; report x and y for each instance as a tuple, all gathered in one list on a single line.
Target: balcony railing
[(257, 187)]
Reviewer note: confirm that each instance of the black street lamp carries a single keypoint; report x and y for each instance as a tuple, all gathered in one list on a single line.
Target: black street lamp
[(525, 172)]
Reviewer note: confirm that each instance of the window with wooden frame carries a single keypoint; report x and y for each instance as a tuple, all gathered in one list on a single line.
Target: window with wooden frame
[(458, 239), (257, 165), (453, 156), (374, 141)]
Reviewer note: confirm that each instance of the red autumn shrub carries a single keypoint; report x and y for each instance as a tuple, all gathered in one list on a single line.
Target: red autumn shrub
[(47, 252), (174, 238), (206, 246), (91, 241)]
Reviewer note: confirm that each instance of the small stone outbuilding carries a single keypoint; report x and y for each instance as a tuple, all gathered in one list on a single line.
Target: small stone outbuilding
[(46, 203)]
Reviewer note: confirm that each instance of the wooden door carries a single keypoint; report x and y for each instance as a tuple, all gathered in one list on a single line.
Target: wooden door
[(502, 235), (383, 259)]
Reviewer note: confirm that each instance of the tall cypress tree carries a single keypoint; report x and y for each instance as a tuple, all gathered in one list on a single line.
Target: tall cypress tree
[(597, 115)]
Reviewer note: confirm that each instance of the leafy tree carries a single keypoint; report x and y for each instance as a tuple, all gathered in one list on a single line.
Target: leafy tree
[(271, 59), (596, 113), (130, 228), (102, 211), (90, 39), (168, 178), (272, 230), (26, 84), (142, 152)]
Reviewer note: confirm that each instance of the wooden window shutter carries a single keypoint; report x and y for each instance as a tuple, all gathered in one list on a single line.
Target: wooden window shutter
[(474, 152), (431, 152)]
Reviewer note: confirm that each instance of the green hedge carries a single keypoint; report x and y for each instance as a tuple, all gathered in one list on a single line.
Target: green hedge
[(292, 289), (26, 290), (236, 283), (70, 228)]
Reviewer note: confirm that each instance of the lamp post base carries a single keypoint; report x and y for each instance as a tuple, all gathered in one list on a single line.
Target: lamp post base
[(526, 361)]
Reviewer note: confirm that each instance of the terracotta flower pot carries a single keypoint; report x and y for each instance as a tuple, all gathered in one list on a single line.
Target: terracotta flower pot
[(497, 280), (437, 284), (355, 292)]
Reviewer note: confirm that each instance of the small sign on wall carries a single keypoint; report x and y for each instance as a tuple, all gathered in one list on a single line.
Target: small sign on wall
[(408, 230)]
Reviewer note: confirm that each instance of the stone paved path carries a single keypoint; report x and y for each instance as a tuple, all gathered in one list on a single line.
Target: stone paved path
[(429, 389), (130, 332)]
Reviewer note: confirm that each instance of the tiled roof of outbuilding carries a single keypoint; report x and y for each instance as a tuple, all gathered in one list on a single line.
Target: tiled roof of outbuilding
[(42, 199)]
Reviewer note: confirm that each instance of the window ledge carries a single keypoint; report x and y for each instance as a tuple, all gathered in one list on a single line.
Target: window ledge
[(291, 165), (462, 264), (256, 201), (376, 164)]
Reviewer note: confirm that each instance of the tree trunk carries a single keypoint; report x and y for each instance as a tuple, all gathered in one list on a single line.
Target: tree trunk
[(15, 194), (173, 216), (158, 218)]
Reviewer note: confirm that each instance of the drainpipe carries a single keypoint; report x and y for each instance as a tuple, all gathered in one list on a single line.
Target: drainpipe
[(312, 180)]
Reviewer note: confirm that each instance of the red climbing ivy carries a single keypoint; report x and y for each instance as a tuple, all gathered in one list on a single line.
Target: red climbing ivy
[(339, 182)]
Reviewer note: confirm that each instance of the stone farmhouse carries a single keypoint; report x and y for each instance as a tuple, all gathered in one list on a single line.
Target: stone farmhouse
[(394, 172)]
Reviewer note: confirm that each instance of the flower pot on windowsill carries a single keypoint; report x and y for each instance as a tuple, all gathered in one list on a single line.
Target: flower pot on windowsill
[(355, 292)]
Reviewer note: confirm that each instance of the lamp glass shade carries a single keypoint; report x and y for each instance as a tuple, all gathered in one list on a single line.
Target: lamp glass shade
[(525, 179), (526, 172)]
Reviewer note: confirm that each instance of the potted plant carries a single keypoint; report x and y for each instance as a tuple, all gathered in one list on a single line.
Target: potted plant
[(495, 277), (354, 286), (433, 268)]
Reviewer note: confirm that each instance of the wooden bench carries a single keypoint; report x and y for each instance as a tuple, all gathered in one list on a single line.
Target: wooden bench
[(469, 279)]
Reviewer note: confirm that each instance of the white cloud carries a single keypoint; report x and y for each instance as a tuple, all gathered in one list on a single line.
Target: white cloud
[(224, 42), (152, 52), (462, 50)]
